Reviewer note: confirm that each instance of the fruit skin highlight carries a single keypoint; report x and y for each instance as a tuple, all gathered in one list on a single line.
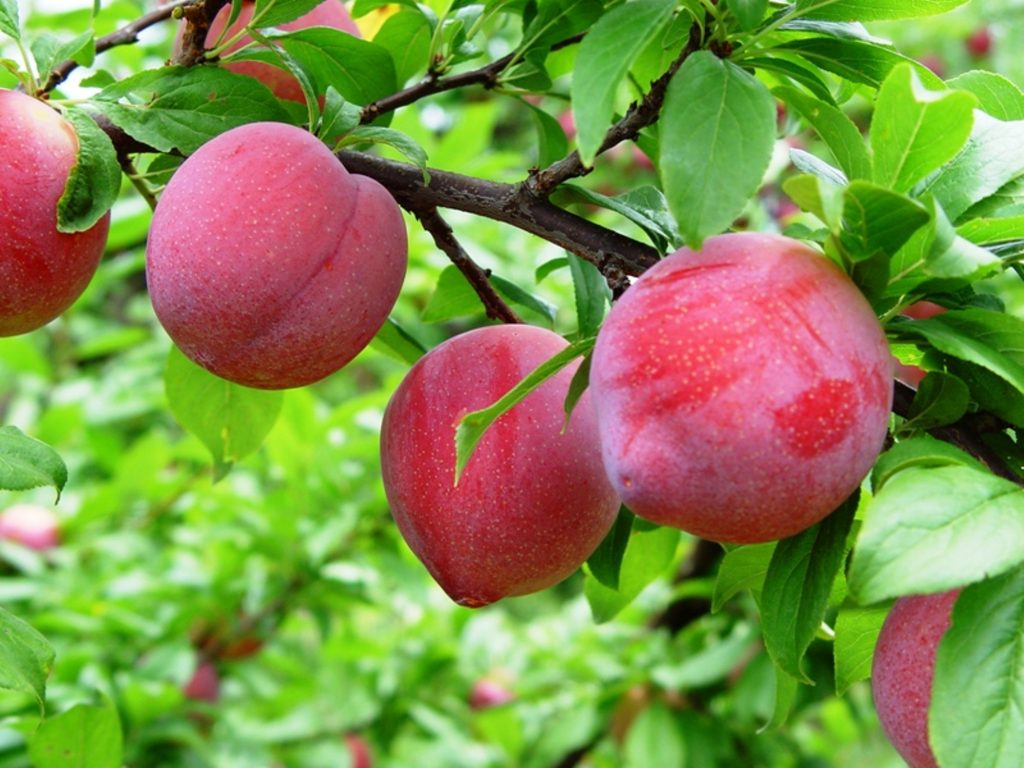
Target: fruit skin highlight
[(532, 504), (42, 271), (903, 671), (330, 13), (742, 391), (268, 263)]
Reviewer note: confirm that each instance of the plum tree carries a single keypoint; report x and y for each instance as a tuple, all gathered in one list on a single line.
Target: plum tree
[(532, 503), (42, 270), (742, 391), (903, 669), (330, 13), (30, 525), (268, 263)]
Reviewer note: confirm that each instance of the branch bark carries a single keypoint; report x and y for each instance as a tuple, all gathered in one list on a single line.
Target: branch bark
[(198, 16)]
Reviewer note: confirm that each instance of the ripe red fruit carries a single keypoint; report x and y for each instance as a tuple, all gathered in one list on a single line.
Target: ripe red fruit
[(742, 391), (268, 263), (903, 670), (42, 271), (488, 692), (979, 43), (533, 502), (30, 525), (204, 685), (330, 13), (358, 751)]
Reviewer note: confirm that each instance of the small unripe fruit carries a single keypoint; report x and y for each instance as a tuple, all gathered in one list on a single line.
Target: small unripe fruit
[(904, 668), (42, 271), (533, 502), (488, 692), (30, 525), (330, 13), (742, 391), (268, 263), (204, 685)]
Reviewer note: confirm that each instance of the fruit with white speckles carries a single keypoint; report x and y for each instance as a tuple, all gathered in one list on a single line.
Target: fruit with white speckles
[(268, 263), (533, 502), (42, 270), (330, 13), (742, 391), (903, 670)]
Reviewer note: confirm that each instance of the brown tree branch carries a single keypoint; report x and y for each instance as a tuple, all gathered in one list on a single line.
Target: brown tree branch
[(126, 35), (198, 16), (438, 228)]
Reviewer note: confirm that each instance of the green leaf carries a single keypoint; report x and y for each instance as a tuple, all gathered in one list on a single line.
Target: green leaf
[(606, 561), (28, 463), (645, 206), (855, 60), (178, 109), (361, 71), (743, 567), (990, 231), (711, 658), (940, 399), (406, 36), (337, 118), (993, 156), (94, 182), (793, 69), (83, 737), (929, 530), (9, 22), (991, 340), (922, 451), (557, 20), (722, 121), (375, 134), (654, 738), (592, 295), (876, 220), (398, 342), (577, 386), (454, 297), (650, 551), (49, 51), (822, 197), (914, 130), (838, 131), (857, 629), (26, 657), (996, 95), (786, 688), (523, 298), (473, 425), (975, 718), (229, 419), (604, 58), (747, 12), (274, 13), (797, 587), (873, 10)]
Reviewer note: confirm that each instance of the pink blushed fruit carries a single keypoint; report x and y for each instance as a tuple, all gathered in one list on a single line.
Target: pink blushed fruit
[(42, 270), (533, 502), (742, 391), (904, 668), (204, 685), (31, 526), (268, 263), (488, 692), (359, 754)]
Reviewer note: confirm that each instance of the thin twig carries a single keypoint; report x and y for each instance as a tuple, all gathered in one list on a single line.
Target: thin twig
[(198, 16), (438, 228), (126, 35)]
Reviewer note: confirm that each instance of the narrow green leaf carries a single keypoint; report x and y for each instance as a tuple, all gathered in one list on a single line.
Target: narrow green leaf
[(274, 13), (181, 108), (473, 425), (793, 69), (375, 134), (552, 144), (645, 206), (940, 399), (975, 719), (229, 419), (9, 22), (993, 156), (94, 182), (915, 130), (996, 95), (577, 386), (649, 553), (519, 296), (929, 530), (654, 738), (748, 13), (592, 295), (606, 561), (786, 688), (741, 568), (857, 629), (604, 58), (406, 36), (557, 20), (49, 50), (723, 123), (337, 118), (876, 220), (855, 60), (797, 587), (28, 463), (26, 657), (990, 231), (838, 131), (874, 10), (922, 451), (398, 342), (711, 658), (83, 737), (453, 297)]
